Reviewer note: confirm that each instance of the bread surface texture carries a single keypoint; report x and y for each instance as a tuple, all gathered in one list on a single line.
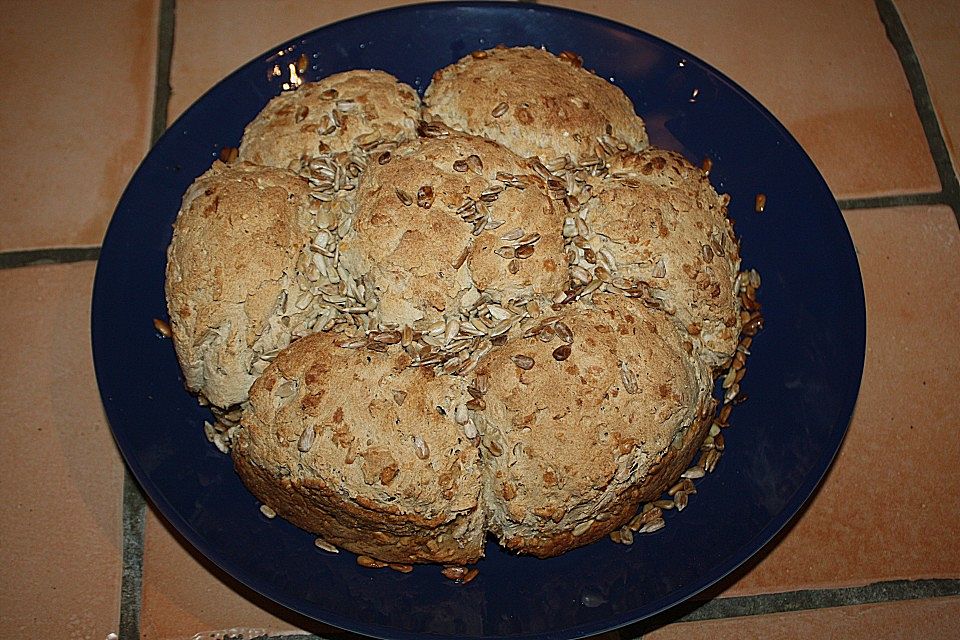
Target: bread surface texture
[(533, 102)]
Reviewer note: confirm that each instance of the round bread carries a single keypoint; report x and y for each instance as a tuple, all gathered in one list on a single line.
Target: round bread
[(346, 110), (362, 449), (667, 232), (576, 441), (231, 273), (428, 233), (534, 103), (510, 326)]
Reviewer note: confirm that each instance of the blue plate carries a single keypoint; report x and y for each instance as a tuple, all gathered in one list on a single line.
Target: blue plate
[(803, 376)]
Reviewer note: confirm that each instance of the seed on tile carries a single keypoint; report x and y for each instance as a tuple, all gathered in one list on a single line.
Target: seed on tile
[(162, 327), (706, 165), (267, 511)]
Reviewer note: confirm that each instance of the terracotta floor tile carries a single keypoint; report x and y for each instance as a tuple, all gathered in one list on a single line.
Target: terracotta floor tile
[(936, 39), (894, 620), (825, 69), (76, 104), (202, 56), (60, 530), (183, 597), (888, 508)]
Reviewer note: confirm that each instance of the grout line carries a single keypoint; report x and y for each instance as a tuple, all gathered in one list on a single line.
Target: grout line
[(743, 606), (134, 504), (131, 582), (789, 601), (35, 257), (881, 202), (897, 35), (161, 87)]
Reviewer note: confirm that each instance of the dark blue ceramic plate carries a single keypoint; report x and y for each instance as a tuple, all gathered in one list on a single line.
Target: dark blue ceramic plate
[(803, 376)]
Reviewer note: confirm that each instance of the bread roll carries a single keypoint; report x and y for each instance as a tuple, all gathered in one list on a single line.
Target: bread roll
[(576, 436), (361, 449), (334, 115), (431, 221), (534, 103), (232, 276)]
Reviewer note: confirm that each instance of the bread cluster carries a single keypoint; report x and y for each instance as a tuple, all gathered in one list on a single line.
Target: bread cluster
[(497, 310)]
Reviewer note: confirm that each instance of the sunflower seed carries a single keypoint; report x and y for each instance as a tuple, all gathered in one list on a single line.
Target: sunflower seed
[(562, 352), (500, 109), (650, 527), (162, 328), (404, 198), (306, 439), (454, 572), (524, 252), (507, 253), (514, 234), (384, 158), (582, 528), (320, 543), (399, 396), (423, 450), (681, 500), (523, 361), (629, 378), (470, 430), (267, 511), (626, 535), (693, 473), (563, 332), (475, 163), (513, 266), (370, 563), (476, 404)]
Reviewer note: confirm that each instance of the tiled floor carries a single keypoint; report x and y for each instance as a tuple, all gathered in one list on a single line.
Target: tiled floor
[(886, 514)]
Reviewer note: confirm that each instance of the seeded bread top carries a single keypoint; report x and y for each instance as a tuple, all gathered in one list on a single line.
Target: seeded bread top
[(665, 226), (234, 251), (379, 433), (354, 108), (579, 429), (422, 256), (533, 102)]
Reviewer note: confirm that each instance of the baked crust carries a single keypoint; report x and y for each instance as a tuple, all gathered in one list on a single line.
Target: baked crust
[(386, 475), (553, 105), (668, 232), (570, 444), (232, 259), (333, 115), (408, 245)]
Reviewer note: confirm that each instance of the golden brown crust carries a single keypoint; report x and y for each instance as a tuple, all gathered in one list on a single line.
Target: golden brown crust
[(332, 116), (233, 254), (666, 227), (408, 245), (553, 105), (569, 443), (368, 445), (386, 471)]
